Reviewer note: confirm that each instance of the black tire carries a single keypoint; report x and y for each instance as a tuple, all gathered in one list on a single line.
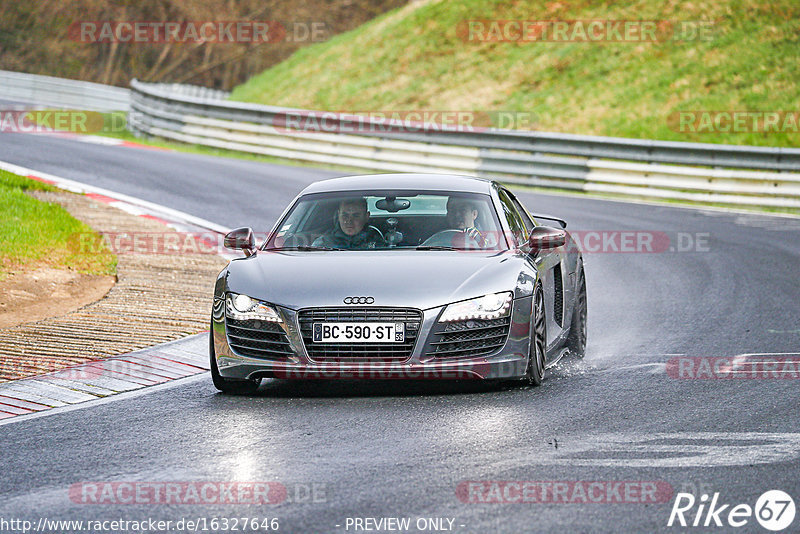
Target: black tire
[(231, 386), (538, 347), (576, 341)]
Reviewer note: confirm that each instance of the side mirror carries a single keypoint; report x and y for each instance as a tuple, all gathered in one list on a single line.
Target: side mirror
[(546, 237), (241, 239)]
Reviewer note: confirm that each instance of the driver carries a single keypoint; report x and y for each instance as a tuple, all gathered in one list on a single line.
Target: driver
[(350, 229), (461, 215)]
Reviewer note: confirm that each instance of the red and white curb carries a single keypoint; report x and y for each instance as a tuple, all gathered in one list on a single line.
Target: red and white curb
[(177, 220), (98, 379), (117, 374), (100, 140)]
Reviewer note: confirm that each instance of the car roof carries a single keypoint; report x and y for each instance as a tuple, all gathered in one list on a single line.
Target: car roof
[(400, 181)]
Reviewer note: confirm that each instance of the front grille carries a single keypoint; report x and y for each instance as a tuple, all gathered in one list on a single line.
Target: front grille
[(359, 352), (258, 339), (558, 295), (469, 339)]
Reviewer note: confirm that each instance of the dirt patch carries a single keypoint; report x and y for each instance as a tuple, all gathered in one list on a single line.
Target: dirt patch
[(35, 293), (157, 298)]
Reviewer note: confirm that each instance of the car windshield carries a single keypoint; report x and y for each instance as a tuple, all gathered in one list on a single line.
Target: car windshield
[(358, 220)]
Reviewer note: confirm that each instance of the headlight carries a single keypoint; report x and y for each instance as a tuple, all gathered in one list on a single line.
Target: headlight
[(242, 308), (486, 307)]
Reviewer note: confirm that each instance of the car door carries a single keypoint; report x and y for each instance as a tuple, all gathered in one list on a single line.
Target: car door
[(549, 263)]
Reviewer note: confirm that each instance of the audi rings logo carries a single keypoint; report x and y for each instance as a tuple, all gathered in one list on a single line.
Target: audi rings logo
[(358, 300)]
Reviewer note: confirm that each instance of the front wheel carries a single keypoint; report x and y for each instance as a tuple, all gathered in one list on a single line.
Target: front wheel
[(231, 386), (576, 341), (538, 345)]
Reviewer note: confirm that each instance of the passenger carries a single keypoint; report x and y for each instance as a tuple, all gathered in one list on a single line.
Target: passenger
[(350, 228), (461, 215)]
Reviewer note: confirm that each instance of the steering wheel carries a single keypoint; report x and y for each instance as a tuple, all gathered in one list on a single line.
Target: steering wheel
[(377, 231), (451, 238)]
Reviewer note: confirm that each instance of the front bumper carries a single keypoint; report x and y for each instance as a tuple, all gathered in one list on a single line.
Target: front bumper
[(509, 361)]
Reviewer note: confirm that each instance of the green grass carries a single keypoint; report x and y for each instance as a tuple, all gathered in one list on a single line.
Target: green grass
[(36, 232), (413, 58)]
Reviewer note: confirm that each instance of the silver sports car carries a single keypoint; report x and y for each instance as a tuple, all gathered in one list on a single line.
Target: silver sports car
[(419, 276)]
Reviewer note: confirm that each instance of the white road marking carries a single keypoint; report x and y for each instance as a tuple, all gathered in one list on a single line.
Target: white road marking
[(105, 400), (667, 449), (656, 368)]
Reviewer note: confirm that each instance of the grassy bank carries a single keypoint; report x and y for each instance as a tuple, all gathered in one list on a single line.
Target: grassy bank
[(36, 232), (419, 57)]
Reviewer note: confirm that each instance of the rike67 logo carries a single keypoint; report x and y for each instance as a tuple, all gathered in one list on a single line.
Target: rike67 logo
[(774, 510)]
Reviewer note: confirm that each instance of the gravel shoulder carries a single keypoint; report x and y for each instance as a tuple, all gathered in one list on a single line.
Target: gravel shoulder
[(158, 297), (36, 292)]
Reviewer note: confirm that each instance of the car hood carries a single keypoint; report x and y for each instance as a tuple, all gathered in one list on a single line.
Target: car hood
[(416, 279)]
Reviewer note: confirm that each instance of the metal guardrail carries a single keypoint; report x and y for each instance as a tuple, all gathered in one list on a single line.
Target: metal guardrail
[(62, 93), (197, 91), (65, 93), (727, 174)]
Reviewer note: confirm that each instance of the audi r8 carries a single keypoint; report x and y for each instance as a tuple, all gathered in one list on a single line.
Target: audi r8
[(399, 276)]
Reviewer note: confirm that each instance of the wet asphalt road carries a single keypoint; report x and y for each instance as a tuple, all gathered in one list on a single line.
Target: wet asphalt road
[(357, 449)]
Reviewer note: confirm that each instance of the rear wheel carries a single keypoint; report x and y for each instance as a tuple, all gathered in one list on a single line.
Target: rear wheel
[(576, 341), (232, 386), (538, 346)]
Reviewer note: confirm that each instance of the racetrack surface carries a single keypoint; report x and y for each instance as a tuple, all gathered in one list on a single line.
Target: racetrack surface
[(401, 449)]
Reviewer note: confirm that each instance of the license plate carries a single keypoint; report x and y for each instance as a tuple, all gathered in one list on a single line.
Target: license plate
[(359, 332)]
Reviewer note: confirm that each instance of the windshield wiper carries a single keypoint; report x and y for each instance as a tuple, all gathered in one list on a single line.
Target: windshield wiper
[(312, 247), (305, 248), (437, 247)]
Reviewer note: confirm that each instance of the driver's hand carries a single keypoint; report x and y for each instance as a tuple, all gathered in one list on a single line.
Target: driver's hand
[(475, 235)]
